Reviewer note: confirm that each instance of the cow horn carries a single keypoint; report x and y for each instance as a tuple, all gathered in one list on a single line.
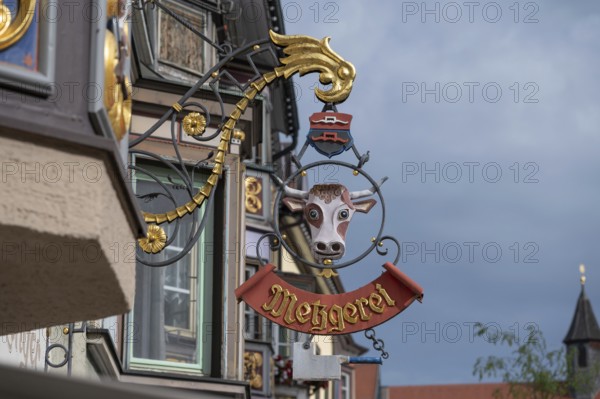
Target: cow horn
[(290, 192), (367, 193)]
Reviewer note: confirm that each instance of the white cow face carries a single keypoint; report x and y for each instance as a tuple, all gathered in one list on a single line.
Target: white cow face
[(328, 209)]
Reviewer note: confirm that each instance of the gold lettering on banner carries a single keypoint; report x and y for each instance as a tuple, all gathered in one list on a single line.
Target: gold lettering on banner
[(287, 303), (350, 313), (331, 318), (385, 295), (376, 302), (361, 310), (276, 291), (336, 317), (303, 312), (319, 313), (289, 313)]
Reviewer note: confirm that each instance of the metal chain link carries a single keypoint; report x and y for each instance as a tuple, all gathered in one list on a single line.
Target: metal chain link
[(378, 344)]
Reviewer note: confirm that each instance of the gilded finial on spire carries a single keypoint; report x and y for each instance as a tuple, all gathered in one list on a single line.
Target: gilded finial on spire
[(582, 271)]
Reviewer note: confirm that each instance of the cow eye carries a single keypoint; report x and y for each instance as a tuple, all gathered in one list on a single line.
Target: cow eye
[(313, 214), (343, 214)]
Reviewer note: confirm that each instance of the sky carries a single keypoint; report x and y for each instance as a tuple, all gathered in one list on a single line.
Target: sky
[(485, 117)]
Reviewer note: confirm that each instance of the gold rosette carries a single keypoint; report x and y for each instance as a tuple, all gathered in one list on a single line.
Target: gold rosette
[(194, 124), (154, 241)]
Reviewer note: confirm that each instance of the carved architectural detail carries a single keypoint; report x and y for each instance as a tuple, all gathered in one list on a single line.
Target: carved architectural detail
[(253, 362), (12, 30), (253, 195)]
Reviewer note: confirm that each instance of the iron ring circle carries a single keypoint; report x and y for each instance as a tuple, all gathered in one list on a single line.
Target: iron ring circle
[(63, 362), (278, 199)]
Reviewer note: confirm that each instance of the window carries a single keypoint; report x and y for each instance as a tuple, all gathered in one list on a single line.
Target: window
[(192, 55), (345, 386), (170, 321), (256, 326), (582, 356), (285, 341)]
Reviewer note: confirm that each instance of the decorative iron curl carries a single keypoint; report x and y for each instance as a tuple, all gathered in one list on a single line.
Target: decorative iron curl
[(384, 251), (274, 245), (303, 55)]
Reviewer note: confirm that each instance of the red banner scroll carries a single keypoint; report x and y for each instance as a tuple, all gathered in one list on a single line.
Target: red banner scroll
[(311, 313)]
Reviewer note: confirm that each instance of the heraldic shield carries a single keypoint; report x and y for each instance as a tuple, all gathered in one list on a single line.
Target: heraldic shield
[(329, 133)]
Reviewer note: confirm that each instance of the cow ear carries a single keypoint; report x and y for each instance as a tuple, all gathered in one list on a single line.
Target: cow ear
[(294, 204), (364, 206)]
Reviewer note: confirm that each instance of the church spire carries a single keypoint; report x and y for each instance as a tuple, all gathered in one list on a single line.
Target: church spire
[(584, 327)]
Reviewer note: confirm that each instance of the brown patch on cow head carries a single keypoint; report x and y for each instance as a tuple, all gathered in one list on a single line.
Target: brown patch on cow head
[(342, 229), (328, 192), (313, 215)]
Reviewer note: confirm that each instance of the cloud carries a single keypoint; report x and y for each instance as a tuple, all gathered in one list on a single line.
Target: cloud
[(553, 61)]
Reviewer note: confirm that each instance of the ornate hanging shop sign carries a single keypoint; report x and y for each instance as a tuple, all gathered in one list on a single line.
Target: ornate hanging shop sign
[(328, 210)]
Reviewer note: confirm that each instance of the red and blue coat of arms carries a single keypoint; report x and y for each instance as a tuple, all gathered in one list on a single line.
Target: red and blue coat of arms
[(329, 133)]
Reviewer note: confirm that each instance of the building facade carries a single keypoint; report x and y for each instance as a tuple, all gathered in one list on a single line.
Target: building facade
[(94, 301)]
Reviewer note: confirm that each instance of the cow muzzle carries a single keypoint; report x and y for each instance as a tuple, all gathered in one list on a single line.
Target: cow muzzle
[(331, 250)]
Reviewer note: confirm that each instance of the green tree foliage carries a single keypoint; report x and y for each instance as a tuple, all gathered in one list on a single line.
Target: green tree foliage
[(531, 371)]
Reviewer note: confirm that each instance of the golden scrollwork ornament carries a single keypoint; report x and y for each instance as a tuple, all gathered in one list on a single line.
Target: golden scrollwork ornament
[(253, 191), (328, 273), (253, 361), (117, 85), (111, 59), (13, 29), (5, 18), (239, 134)]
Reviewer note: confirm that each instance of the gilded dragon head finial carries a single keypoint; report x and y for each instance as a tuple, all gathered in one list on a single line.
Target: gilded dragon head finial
[(305, 54)]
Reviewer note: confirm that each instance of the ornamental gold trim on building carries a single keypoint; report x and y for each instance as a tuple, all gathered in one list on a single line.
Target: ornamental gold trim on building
[(11, 31)]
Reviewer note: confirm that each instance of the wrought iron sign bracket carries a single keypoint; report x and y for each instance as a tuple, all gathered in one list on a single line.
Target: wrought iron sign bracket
[(69, 331), (326, 208)]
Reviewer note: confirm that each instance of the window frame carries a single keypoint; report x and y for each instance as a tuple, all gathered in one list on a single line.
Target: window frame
[(209, 53), (346, 388), (288, 343), (264, 331), (204, 314)]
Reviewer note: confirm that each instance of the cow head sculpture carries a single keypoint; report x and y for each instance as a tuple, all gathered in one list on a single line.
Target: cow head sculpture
[(328, 209)]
